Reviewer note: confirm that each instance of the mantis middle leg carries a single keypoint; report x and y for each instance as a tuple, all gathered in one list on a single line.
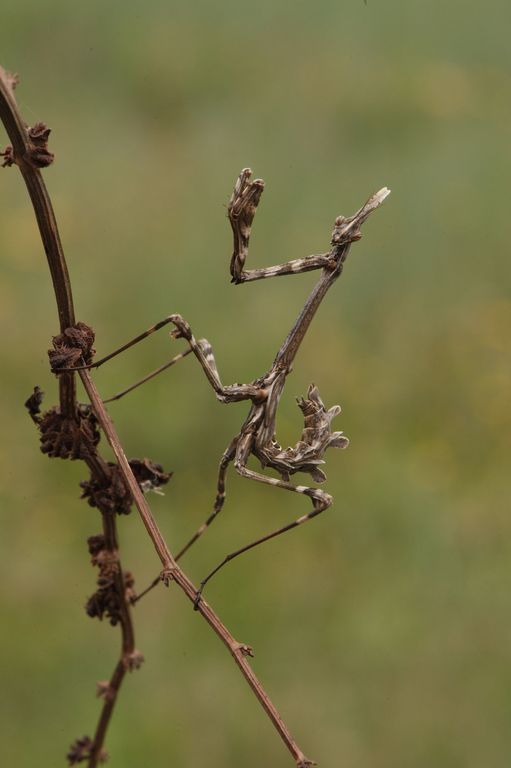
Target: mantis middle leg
[(320, 502), (226, 459)]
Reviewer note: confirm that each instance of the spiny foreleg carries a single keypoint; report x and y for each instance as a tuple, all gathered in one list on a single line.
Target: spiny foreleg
[(241, 211)]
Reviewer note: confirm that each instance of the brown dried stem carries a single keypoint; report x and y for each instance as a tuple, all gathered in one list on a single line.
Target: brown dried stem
[(23, 150), (23, 153)]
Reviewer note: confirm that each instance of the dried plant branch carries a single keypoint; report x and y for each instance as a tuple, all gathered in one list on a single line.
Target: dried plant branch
[(29, 152), (69, 432)]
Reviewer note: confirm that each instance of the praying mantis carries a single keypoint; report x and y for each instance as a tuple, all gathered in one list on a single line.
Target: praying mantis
[(257, 433)]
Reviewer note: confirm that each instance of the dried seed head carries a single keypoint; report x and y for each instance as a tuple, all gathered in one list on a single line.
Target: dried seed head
[(103, 690), (108, 497), (33, 404), (8, 157), (39, 134), (65, 438), (105, 601), (133, 661), (80, 750), (149, 475), (96, 544), (38, 154), (72, 346), (129, 586), (114, 495)]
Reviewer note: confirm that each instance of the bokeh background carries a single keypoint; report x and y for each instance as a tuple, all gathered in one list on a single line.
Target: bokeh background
[(382, 630)]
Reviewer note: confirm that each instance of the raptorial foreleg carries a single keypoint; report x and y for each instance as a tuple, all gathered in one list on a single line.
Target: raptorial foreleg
[(241, 211)]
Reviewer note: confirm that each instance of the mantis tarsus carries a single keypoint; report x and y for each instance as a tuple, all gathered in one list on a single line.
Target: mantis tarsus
[(257, 434)]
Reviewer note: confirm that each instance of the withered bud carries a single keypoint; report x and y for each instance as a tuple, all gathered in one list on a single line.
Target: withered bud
[(11, 78), (105, 601), (39, 157), (133, 661), (81, 750), (114, 496), (246, 650), (96, 544), (148, 474), (8, 157), (167, 576), (107, 561), (33, 404), (39, 134), (129, 586), (65, 438), (38, 154), (71, 347), (103, 690), (108, 598)]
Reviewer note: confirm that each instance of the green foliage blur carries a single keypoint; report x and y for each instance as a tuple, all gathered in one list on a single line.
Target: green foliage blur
[(382, 630)]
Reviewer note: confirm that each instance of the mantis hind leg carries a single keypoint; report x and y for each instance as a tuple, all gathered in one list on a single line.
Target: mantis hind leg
[(320, 502)]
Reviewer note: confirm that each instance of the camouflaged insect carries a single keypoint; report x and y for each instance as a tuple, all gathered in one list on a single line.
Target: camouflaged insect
[(257, 434)]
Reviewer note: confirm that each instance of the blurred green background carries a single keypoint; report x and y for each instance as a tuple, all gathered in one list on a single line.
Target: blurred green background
[(382, 630)]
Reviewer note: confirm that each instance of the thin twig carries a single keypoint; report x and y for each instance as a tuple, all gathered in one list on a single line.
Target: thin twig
[(172, 572)]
